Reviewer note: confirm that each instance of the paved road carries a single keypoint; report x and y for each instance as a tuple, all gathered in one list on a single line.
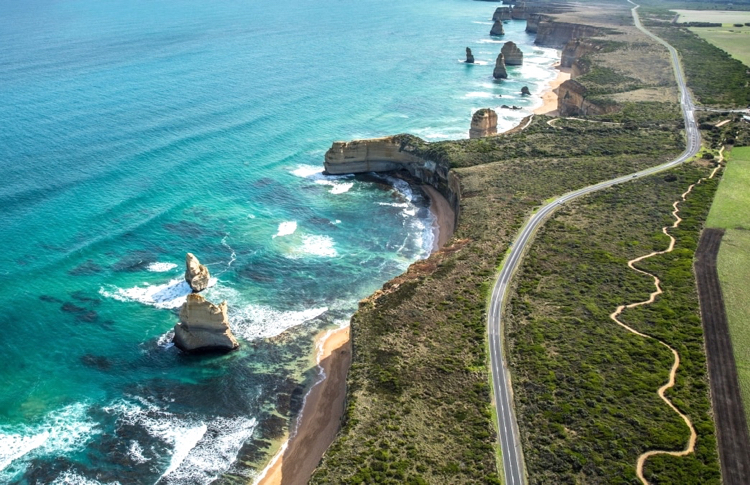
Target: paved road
[(507, 426)]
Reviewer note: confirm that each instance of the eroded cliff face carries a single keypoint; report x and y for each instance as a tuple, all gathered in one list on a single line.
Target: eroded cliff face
[(572, 101), (557, 34), (532, 22), (575, 49), (393, 154), (501, 13)]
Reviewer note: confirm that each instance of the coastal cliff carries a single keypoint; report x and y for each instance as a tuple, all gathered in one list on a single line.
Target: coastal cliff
[(572, 101), (394, 154), (556, 34)]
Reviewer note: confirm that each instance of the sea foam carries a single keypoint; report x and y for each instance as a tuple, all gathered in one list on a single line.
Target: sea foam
[(161, 267), (62, 431), (168, 295), (286, 228)]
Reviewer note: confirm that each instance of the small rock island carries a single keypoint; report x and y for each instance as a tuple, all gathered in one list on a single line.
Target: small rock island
[(500, 72), (203, 326), (483, 123), (469, 56)]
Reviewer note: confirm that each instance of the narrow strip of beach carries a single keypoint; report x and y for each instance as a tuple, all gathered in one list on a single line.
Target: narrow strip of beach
[(549, 96), (323, 407), (324, 404)]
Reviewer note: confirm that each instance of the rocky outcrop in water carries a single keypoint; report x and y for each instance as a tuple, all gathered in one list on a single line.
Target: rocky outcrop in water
[(497, 28), (500, 72), (501, 13), (512, 54), (483, 123), (525, 91), (196, 274), (203, 327), (469, 56)]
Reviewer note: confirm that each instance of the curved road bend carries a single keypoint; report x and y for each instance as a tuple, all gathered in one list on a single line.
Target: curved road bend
[(506, 423)]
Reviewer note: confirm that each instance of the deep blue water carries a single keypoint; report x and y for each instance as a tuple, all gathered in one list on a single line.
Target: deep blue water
[(134, 131)]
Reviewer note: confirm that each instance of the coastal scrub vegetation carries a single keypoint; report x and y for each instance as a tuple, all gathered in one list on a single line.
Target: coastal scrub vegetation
[(586, 388), (418, 401)]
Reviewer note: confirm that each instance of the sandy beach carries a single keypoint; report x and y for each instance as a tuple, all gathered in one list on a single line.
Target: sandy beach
[(549, 97), (445, 217), (324, 404), (321, 415)]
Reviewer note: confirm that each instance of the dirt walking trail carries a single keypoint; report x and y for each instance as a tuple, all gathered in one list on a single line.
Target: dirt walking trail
[(657, 283)]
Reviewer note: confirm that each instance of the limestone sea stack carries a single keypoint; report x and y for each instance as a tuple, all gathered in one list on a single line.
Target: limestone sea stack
[(497, 28), (525, 91), (196, 274), (483, 123), (513, 55), (501, 13), (203, 327), (469, 56), (500, 72)]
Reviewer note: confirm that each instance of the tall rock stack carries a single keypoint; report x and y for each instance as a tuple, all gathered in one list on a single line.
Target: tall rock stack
[(195, 273), (513, 55), (502, 13), (483, 123), (469, 56), (203, 326), (497, 28), (500, 72)]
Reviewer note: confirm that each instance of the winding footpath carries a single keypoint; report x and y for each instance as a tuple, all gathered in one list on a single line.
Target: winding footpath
[(673, 371), (508, 434)]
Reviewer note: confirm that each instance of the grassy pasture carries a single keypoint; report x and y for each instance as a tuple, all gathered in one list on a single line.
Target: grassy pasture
[(722, 16), (731, 208), (731, 211), (734, 40)]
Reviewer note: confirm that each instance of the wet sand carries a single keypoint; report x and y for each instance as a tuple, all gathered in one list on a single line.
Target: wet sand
[(324, 404), (321, 415), (549, 96)]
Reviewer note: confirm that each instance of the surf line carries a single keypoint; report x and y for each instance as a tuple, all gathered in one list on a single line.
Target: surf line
[(690, 448)]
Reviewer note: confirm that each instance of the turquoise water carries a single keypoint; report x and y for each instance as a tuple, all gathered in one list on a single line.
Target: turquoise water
[(134, 131)]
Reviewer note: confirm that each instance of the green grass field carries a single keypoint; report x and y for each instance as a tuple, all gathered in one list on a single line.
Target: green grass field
[(731, 208), (722, 16), (734, 274), (731, 211), (734, 40)]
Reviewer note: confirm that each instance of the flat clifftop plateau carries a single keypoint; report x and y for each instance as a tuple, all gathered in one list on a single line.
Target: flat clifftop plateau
[(398, 153), (556, 34)]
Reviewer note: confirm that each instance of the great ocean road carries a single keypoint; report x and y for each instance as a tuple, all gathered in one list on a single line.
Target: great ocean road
[(134, 131)]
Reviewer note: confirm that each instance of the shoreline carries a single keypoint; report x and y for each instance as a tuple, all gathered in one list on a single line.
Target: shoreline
[(317, 426), (549, 95)]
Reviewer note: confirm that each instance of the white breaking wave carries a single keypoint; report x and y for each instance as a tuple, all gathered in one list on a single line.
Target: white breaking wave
[(161, 267), (70, 478), (62, 431), (315, 246), (167, 295), (254, 322), (201, 450), (286, 228), (479, 94), (315, 173)]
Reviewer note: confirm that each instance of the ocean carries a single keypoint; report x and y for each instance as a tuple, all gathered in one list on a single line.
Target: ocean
[(132, 132)]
